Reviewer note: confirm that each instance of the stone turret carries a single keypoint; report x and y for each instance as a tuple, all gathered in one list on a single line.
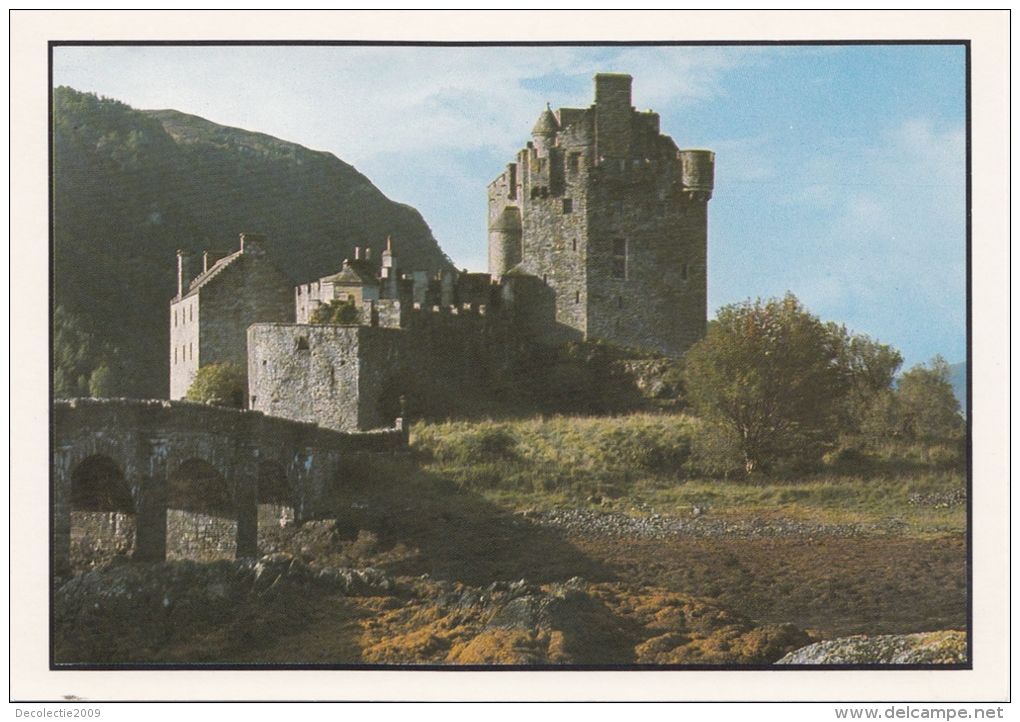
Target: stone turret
[(544, 132)]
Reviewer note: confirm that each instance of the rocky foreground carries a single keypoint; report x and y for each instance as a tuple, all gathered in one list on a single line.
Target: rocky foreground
[(928, 648), (280, 609)]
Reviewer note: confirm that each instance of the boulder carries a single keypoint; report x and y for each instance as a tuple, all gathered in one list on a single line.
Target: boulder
[(947, 647)]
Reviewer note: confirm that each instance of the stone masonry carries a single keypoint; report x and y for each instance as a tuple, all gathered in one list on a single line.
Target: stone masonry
[(612, 216), (211, 313)]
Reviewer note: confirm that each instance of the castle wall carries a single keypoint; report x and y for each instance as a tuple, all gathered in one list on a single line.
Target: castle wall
[(653, 295), (305, 373), (249, 291)]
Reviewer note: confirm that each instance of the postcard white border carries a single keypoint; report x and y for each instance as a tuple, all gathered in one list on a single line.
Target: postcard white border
[(30, 677)]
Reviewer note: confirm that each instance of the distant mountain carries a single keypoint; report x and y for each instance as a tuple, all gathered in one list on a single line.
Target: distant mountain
[(958, 379), (131, 187)]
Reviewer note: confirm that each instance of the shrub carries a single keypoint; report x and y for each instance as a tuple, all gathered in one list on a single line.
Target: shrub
[(223, 384)]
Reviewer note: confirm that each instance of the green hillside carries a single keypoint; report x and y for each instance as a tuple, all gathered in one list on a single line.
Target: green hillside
[(131, 187)]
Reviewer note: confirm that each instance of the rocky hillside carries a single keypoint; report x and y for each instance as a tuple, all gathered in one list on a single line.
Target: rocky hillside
[(131, 187)]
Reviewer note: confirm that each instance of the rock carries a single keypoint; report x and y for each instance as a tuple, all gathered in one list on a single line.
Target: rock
[(948, 647)]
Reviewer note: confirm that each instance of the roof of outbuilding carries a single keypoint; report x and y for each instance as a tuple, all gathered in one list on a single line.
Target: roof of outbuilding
[(352, 276)]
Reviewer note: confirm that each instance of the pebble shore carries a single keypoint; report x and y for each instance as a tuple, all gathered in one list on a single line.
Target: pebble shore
[(654, 526)]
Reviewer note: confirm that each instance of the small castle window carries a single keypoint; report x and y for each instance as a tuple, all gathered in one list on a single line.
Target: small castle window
[(191, 352), (191, 312), (301, 344), (574, 244), (568, 205), (620, 258), (175, 354), (175, 317), (574, 162), (577, 296)]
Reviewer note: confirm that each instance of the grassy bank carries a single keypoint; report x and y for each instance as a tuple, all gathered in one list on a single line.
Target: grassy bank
[(670, 464)]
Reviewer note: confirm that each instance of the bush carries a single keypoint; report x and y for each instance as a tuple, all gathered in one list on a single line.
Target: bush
[(223, 384), (340, 313)]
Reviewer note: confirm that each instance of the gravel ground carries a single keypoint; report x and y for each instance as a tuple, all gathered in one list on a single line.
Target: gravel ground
[(655, 526)]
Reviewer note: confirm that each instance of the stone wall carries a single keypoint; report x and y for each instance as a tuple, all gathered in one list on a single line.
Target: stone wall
[(659, 301), (330, 375), (357, 378), (249, 291)]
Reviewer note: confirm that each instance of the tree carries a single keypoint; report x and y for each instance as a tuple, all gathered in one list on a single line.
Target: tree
[(223, 384), (82, 364), (927, 410), (341, 313), (773, 373), (870, 368)]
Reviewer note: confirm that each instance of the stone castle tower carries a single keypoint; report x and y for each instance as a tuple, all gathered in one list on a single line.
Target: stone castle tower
[(612, 216)]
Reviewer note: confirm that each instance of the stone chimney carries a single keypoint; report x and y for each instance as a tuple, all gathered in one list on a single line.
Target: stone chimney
[(184, 272), (253, 243)]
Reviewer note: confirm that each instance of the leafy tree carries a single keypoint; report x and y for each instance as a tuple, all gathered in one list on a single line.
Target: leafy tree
[(772, 372), (223, 384), (927, 410), (341, 313), (870, 368), (82, 364)]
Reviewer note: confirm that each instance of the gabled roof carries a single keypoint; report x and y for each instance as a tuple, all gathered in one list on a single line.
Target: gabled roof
[(204, 278), (351, 276)]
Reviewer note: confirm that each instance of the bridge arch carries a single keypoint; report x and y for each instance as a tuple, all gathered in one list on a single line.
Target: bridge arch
[(98, 484)]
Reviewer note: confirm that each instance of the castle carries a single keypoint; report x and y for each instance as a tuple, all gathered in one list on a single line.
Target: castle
[(613, 217), (598, 230)]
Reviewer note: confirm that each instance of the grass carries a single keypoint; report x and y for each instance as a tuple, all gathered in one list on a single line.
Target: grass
[(648, 463)]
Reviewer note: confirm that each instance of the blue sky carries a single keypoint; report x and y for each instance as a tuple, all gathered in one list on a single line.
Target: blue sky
[(840, 170)]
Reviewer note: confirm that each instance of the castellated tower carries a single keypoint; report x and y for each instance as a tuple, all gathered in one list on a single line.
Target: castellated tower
[(612, 216)]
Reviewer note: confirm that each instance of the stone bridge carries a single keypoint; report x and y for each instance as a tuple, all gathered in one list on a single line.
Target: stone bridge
[(142, 457)]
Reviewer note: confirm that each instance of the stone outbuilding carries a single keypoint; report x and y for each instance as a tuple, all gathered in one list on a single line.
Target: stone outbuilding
[(210, 315)]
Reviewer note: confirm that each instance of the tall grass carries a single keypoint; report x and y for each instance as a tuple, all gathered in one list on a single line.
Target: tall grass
[(580, 455), (673, 463)]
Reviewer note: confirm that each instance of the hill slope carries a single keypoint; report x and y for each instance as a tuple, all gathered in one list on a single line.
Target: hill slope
[(131, 187)]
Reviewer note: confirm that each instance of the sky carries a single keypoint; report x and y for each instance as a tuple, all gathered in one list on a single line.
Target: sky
[(840, 169)]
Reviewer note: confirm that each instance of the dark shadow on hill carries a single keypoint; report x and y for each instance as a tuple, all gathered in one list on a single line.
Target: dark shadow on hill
[(390, 514)]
